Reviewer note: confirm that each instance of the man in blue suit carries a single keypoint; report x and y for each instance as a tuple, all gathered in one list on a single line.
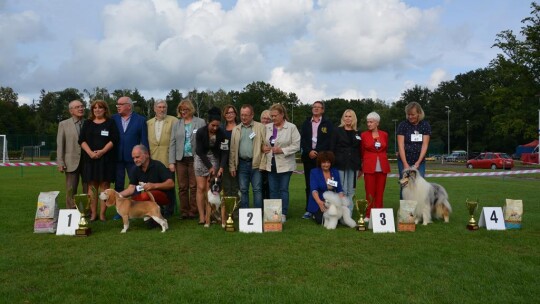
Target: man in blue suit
[(133, 131)]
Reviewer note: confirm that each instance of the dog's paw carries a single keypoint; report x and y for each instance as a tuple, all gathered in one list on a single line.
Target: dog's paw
[(123, 231)]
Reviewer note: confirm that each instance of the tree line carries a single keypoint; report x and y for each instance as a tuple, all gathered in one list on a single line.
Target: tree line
[(493, 108)]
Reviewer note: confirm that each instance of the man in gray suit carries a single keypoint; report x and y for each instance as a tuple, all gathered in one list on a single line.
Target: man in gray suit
[(68, 150)]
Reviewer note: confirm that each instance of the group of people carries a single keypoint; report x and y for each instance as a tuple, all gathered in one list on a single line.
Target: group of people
[(334, 158), (232, 147)]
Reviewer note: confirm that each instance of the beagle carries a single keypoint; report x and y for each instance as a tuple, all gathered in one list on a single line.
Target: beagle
[(127, 208)]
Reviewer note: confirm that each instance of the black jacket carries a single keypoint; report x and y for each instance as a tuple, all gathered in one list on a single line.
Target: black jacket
[(324, 132), (203, 146), (346, 149)]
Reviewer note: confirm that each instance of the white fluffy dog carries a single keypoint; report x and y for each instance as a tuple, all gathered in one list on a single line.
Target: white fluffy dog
[(432, 198), (337, 208)]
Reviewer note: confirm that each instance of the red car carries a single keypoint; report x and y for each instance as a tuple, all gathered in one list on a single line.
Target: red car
[(491, 160)]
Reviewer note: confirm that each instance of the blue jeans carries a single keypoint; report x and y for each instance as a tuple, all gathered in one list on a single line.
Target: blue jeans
[(279, 188), (421, 169), (246, 175), (348, 179)]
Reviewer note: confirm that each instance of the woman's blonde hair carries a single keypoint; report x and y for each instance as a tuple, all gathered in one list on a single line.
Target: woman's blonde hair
[(186, 103), (354, 119), (418, 107), (281, 109)]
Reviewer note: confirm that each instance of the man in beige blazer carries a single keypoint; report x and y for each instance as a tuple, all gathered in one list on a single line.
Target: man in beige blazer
[(68, 151), (159, 136), (246, 158)]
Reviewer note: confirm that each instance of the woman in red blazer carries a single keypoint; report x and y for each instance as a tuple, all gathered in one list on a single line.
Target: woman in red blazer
[(375, 165)]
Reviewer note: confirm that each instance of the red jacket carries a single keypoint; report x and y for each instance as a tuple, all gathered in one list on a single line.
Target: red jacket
[(370, 152)]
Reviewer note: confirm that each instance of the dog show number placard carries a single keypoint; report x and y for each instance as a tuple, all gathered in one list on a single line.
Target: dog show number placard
[(492, 218), (250, 220), (382, 220), (68, 221)]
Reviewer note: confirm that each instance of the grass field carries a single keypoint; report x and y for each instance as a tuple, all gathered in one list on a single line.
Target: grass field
[(440, 263)]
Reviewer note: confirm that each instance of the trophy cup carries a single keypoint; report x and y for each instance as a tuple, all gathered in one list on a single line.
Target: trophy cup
[(82, 202), (230, 202), (361, 206), (471, 206)]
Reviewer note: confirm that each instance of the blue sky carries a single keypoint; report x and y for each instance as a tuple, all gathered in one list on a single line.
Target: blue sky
[(317, 49)]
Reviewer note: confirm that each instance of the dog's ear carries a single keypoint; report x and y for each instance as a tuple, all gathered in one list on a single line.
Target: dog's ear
[(111, 197)]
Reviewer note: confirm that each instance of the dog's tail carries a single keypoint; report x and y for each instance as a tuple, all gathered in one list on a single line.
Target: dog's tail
[(441, 205), (151, 196)]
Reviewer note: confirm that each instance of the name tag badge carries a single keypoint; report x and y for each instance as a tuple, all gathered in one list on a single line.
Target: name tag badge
[(416, 137), (314, 139), (331, 182), (377, 145), (225, 145), (104, 133), (252, 135), (273, 142), (358, 137), (194, 131)]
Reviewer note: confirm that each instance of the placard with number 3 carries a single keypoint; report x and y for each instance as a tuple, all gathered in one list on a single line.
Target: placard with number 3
[(382, 220)]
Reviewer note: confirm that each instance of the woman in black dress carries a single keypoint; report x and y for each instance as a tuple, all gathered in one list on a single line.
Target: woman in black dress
[(98, 137)]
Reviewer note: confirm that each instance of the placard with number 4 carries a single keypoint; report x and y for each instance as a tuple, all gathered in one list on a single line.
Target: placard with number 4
[(492, 218)]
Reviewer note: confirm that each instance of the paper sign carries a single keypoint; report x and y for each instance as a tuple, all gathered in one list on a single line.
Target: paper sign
[(68, 221), (250, 220), (382, 220), (492, 218)]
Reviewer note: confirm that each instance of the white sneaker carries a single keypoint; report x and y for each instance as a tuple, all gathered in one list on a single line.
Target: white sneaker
[(283, 218)]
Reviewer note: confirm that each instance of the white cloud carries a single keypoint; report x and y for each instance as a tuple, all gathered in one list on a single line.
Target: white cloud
[(18, 29), (299, 83), (437, 77), (358, 35)]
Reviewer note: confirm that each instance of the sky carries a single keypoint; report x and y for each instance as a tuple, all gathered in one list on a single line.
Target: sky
[(318, 49)]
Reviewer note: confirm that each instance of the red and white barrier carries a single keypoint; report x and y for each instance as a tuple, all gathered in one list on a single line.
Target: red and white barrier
[(38, 164), (494, 173)]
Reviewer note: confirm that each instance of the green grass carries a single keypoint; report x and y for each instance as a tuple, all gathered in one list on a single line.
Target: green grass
[(440, 263)]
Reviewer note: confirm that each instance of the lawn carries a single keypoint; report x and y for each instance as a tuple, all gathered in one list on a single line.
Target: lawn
[(440, 263)]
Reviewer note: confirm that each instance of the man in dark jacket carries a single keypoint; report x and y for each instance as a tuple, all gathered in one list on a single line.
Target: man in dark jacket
[(315, 133)]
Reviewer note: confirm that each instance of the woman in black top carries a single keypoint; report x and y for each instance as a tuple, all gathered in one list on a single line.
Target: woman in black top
[(99, 135), (346, 147), (212, 155)]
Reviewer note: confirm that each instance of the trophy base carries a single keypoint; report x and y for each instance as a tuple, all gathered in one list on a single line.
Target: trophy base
[(83, 232), (230, 229), (472, 227), (361, 228)]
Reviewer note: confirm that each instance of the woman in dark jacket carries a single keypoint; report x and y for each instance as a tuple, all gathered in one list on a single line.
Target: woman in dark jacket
[(212, 155), (346, 147)]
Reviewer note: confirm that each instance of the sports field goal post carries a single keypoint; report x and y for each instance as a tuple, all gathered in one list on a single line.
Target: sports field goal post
[(3, 149)]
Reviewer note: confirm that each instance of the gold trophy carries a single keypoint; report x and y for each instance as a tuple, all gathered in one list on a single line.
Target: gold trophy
[(230, 202), (361, 206), (82, 202), (471, 206)]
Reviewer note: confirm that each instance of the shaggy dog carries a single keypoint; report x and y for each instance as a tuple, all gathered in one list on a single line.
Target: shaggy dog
[(214, 202), (432, 199), (337, 209), (127, 208)]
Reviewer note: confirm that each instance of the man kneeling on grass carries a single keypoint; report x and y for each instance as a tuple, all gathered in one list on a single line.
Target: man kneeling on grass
[(152, 176)]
